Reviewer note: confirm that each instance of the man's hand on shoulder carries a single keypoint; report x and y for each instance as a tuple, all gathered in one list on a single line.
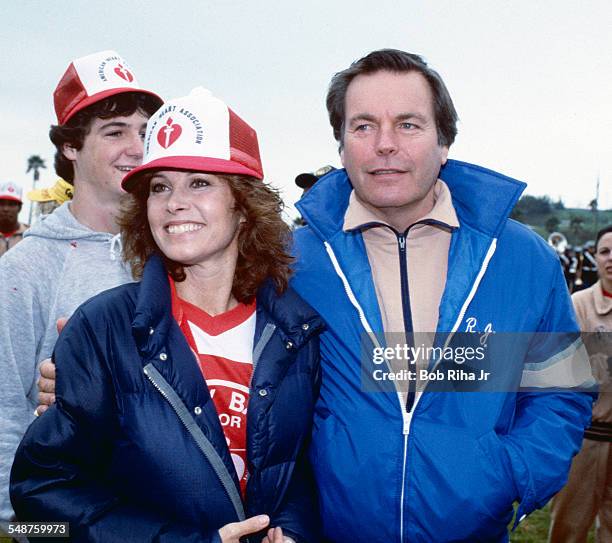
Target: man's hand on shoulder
[(46, 382), (46, 386)]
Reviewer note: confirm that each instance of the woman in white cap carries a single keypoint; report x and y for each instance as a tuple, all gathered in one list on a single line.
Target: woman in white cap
[(184, 402)]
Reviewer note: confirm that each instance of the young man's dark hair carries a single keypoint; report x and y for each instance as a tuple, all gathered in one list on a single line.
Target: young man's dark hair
[(75, 130), (396, 61)]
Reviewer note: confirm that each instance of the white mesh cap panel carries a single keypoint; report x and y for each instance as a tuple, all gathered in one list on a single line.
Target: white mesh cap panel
[(104, 70)]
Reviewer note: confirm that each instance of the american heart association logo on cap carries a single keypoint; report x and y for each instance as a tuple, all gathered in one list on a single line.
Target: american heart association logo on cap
[(124, 73), (168, 134)]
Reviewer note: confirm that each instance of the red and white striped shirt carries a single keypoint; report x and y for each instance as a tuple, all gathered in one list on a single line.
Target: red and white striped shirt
[(224, 348)]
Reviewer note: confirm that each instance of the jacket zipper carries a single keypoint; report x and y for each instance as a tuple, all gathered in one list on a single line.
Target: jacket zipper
[(267, 333), (170, 395), (406, 312), (409, 335), (406, 413)]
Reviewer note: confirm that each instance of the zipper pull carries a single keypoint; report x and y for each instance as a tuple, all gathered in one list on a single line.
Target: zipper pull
[(406, 429), (401, 239)]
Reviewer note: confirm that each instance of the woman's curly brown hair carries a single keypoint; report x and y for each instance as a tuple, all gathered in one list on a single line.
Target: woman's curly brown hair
[(263, 239)]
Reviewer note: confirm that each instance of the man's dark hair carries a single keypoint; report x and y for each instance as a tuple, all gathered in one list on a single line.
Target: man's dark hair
[(393, 60), (602, 233), (75, 130)]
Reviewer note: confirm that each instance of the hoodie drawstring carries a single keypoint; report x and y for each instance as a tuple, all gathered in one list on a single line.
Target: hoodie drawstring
[(115, 247)]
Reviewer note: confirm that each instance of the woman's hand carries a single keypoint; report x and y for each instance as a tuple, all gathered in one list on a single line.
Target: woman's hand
[(275, 535), (232, 532)]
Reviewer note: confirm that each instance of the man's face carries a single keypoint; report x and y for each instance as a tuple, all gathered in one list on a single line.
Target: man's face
[(391, 150), (111, 149), (9, 209)]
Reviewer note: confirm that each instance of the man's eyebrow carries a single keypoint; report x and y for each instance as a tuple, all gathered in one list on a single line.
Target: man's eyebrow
[(113, 124), (362, 117), (400, 117), (409, 116)]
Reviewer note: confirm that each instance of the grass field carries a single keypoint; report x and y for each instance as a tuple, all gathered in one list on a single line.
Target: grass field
[(534, 529)]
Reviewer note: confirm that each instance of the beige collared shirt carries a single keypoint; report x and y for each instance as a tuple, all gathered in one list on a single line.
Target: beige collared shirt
[(427, 259)]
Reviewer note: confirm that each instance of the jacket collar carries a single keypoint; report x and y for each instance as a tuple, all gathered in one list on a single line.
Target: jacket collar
[(294, 318), (153, 315), (482, 198), (443, 213), (603, 304)]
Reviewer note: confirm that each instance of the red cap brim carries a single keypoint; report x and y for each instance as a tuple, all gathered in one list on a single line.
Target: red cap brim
[(188, 163), (12, 199), (101, 96)]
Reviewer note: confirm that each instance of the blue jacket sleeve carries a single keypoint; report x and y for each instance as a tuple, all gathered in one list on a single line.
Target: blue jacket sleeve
[(59, 469), (549, 423)]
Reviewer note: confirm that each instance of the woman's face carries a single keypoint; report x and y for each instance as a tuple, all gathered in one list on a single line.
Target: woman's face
[(603, 256), (192, 217)]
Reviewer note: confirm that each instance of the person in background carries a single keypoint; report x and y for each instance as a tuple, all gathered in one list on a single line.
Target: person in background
[(306, 180), (572, 267), (589, 264), (75, 253), (50, 198), (185, 401), (588, 493), (10, 205)]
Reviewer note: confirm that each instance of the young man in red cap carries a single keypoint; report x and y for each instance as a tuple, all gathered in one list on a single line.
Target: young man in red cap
[(10, 206), (75, 252)]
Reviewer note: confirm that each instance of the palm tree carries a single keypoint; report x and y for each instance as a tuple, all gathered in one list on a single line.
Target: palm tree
[(35, 163)]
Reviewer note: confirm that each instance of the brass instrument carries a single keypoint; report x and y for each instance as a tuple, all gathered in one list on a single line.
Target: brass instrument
[(558, 242)]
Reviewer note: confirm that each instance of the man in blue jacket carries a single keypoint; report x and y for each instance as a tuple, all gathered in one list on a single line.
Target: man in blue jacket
[(404, 242)]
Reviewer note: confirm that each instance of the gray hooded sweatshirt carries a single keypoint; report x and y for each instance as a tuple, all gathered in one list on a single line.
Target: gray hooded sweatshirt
[(59, 264)]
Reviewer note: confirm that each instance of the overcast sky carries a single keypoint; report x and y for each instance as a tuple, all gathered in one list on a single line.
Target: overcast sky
[(531, 81)]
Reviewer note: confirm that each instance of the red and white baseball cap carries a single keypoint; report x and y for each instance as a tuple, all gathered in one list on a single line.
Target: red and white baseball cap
[(10, 191), (198, 133), (91, 79)]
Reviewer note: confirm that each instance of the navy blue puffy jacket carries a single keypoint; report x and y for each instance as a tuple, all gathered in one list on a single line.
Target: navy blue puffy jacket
[(133, 449)]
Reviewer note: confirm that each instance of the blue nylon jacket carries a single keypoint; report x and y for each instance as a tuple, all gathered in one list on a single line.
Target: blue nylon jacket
[(450, 469), (133, 449)]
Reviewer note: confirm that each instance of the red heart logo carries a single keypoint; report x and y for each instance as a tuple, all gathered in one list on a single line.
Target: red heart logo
[(124, 73), (169, 133)]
